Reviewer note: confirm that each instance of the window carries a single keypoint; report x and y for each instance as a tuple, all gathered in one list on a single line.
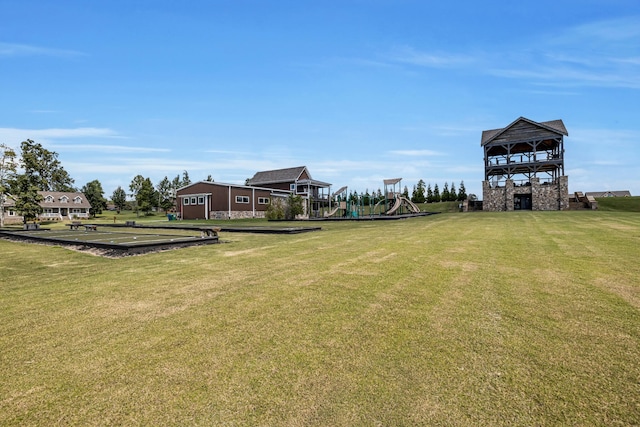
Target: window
[(185, 201), (12, 212), (242, 199), (193, 201), (48, 199), (64, 199), (263, 200), (77, 200), (292, 187), (201, 200)]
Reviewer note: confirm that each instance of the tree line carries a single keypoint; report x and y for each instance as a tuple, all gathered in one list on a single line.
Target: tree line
[(422, 193)]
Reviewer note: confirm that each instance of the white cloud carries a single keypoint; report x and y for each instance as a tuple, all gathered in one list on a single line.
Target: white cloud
[(108, 148), (412, 56), (15, 134), (596, 54), (16, 49)]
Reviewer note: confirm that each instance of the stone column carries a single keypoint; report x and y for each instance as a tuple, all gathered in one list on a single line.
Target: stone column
[(509, 189)]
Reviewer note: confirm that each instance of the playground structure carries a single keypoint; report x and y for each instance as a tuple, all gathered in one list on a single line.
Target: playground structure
[(341, 205), (393, 203)]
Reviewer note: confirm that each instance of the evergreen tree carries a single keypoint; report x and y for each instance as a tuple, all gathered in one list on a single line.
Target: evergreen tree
[(445, 193), (366, 197), (185, 179), (429, 194), (453, 195), (166, 197), (436, 194), (462, 192), (145, 197), (405, 192), (418, 193)]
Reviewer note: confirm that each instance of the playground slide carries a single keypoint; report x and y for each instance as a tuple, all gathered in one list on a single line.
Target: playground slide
[(395, 207), (412, 206), (333, 212)]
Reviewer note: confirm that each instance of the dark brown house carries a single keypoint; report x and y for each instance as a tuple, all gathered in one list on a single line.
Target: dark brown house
[(524, 167), (208, 200)]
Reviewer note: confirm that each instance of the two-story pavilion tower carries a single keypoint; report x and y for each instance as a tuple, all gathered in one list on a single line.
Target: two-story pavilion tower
[(524, 167)]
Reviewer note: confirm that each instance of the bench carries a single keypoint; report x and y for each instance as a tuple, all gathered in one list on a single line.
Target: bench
[(209, 232), (76, 225)]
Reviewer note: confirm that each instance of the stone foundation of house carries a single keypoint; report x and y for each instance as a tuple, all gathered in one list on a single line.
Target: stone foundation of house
[(548, 196), (236, 214)]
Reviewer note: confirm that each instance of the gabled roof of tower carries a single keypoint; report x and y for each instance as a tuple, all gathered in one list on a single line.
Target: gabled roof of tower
[(556, 126)]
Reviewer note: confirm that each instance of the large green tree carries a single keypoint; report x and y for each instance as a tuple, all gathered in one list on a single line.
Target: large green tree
[(8, 167), (146, 196), (28, 199), (43, 168), (95, 196), (119, 198)]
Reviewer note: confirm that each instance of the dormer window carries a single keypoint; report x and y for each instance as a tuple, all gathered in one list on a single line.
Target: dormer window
[(64, 199), (48, 199), (78, 199)]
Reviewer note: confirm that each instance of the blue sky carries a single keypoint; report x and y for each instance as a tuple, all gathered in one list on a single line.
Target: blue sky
[(357, 90)]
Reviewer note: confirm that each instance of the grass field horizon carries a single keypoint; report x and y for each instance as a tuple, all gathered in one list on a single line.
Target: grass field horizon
[(520, 318)]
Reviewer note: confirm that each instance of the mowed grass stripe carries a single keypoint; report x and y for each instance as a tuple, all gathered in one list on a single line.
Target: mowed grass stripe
[(482, 319)]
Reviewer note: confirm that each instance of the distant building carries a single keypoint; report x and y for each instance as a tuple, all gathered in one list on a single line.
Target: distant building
[(524, 167), (209, 200), (56, 206)]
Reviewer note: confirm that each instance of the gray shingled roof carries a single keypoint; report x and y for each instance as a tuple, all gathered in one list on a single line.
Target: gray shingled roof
[(84, 203), (553, 125), (278, 175)]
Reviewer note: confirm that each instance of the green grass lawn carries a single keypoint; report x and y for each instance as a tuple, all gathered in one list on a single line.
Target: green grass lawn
[(519, 318), (628, 204)]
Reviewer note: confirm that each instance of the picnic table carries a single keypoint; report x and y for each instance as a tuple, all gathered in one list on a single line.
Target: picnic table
[(76, 225)]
